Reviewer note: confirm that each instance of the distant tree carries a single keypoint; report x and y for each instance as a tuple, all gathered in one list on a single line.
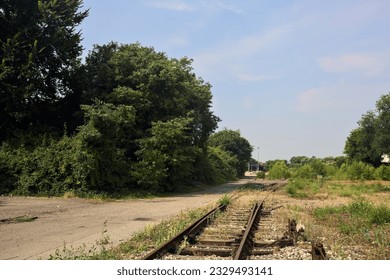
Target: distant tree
[(299, 161), (39, 50), (371, 138), (232, 142)]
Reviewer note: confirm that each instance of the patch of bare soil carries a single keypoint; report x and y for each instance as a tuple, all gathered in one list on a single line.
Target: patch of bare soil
[(33, 228)]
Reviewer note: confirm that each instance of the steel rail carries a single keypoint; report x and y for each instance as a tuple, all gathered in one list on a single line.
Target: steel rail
[(190, 232), (247, 239)]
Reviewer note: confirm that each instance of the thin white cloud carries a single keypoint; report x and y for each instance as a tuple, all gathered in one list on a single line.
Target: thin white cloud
[(339, 97), (366, 64), (174, 5), (232, 57)]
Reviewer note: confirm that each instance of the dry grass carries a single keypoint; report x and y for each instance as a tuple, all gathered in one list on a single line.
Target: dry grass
[(329, 210), (350, 218)]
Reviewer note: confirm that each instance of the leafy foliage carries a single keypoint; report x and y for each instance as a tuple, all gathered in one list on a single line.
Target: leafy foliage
[(232, 142), (39, 50), (371, 139), (166, 158), (88, 161), (221, 165), (129, 118), (279, 171)]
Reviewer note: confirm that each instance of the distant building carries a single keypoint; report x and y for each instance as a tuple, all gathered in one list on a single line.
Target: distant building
[(254, 166), (385, 158)]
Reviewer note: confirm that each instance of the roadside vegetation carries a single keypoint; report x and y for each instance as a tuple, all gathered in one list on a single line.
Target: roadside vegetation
[(129, 120)]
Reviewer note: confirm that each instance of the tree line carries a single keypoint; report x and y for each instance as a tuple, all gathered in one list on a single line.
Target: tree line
[(365, 149), (129, 118), (329, 168)]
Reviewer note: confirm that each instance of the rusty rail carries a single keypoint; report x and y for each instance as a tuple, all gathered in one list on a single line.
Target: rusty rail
[(246, 243), (188, 232)]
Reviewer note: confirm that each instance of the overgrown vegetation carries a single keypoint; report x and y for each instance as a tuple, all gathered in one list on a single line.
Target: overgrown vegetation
[(129, 119), (225, 200), (327, 168), (361, 220)]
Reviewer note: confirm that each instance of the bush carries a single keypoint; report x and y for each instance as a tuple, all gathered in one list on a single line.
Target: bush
[(279, 171), (89, 161), (8, 174), (260, 175), (222, 165), (305, 172), (383, 173), (356, 171)]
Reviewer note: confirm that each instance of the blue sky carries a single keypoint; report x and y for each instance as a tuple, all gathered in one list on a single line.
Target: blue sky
[(293, 76)]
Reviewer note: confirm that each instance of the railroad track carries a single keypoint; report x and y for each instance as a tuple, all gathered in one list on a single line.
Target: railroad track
[(237, 232)]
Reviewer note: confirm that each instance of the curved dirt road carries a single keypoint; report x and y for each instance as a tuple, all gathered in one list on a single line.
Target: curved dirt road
[(74, 222)]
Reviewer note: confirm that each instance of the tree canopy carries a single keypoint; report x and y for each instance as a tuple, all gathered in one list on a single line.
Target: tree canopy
[(129, 118), (371, 138), (39, 50), (236, 145)]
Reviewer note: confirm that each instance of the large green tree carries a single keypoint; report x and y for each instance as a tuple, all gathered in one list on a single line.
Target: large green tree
[(232, 142), (168, 142), (159, 88), (371, 138), (39, 51)]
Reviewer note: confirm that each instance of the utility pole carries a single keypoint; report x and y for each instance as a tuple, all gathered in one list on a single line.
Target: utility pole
[(258, 161)]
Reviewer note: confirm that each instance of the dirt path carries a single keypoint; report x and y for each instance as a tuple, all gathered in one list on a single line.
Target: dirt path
[(74, 222)]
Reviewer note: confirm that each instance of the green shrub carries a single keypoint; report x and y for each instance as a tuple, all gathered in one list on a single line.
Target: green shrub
[(356, 171), (279, 171), (380, 215), (297, 188), (383, 173), (8, 166), (260, 175), (305, 172), (88, 162), (222, 165)]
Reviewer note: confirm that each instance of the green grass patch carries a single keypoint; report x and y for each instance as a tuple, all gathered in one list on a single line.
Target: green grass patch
[(303, 188), (225, 200), (360, 211), (352, 190), (360, 219)]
